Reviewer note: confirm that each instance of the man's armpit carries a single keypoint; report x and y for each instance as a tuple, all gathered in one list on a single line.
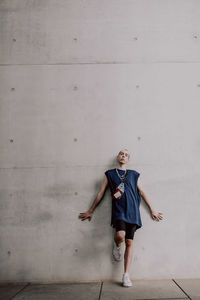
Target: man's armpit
[(139, 186)]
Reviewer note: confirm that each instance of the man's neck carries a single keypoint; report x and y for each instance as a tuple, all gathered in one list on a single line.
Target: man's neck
[(121, 167)]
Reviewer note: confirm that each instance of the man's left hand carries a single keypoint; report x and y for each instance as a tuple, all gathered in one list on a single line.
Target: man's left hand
[(156, 215)]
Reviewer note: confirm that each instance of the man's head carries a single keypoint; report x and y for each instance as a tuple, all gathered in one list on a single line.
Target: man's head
[(123, 156)]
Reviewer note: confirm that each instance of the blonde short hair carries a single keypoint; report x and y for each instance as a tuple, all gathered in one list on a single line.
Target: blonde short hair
[(127, 151)]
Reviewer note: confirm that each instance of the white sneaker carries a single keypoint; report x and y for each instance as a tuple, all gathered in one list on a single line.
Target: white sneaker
[(126, 280), (116, 252)]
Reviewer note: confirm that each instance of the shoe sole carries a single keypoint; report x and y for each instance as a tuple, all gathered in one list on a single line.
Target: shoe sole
[(126, 285), (117, 259)]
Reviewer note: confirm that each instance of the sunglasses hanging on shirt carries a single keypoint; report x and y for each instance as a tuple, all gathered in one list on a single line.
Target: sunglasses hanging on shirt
[(120, 188)]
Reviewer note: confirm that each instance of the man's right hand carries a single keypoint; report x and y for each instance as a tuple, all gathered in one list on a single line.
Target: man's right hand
[(85, 215)]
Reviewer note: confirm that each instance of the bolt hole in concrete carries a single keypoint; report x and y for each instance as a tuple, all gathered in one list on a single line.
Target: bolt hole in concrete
[(75, 139), (11, 141)]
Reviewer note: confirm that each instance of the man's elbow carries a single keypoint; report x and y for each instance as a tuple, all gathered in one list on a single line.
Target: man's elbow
[(141, 193), (101, 194)]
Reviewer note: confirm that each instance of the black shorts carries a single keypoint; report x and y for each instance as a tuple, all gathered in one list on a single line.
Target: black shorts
[(127, 227)]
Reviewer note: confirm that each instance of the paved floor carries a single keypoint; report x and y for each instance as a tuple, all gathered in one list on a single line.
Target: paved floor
[(106, 290)]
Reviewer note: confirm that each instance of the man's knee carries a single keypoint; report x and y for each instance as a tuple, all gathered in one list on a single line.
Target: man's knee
[(129, 242), (120, 235)]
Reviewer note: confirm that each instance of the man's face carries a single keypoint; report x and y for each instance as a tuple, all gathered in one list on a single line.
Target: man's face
[(123, 156)]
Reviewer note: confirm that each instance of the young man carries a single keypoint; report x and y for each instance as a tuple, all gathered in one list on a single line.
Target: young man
[(125, 208)]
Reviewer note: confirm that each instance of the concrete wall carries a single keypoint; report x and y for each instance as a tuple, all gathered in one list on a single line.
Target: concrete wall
[(80, 80)]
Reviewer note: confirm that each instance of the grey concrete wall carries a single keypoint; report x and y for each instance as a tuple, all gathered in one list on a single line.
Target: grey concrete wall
[(79, 81)]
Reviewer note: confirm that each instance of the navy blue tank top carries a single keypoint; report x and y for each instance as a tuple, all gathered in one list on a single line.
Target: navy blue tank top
[(127, 207)]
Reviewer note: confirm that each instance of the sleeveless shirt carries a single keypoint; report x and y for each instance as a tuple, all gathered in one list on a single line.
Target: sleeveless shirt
[(127, 207)]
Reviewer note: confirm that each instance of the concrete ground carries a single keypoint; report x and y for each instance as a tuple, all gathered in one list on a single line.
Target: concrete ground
[(104, 290)]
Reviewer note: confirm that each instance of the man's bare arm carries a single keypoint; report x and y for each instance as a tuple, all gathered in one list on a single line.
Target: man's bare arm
[(99, 197), (100, 194), (155, 215)]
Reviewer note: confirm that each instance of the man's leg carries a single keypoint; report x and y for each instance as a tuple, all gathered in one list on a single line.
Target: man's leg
[(128, 254), (119, 237)]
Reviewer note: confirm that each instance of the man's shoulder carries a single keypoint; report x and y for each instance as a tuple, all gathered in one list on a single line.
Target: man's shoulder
[(129, 170), (109, 170), (134, 171)]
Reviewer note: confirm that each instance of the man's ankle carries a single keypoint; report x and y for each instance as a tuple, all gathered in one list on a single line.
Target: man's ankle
[(118, 245)]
